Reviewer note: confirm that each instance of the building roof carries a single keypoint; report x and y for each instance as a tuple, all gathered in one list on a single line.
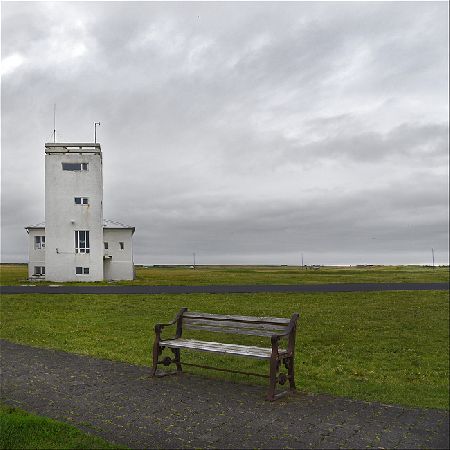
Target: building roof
[(72, 147), (38, 226), (108, 224), (113, 224)]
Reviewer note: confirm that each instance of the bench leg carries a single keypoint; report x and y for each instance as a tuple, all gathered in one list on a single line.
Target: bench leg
[(273, 379), (155, 358), (176, 352), (291, 374)]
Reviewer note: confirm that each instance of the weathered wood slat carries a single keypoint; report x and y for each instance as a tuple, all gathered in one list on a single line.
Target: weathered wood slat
[(250, 319), (217, 347), (276, 328), (228, 330)]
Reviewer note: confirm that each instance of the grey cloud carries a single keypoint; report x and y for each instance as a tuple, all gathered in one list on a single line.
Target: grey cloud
[(367, 220), (243, 131), (427, 142)]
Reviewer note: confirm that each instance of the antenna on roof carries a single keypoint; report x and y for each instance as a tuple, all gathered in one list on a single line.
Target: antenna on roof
[(54, 122), (95, 131)]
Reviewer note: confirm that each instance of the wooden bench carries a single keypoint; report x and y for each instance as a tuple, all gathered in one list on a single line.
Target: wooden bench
[(271, 327)]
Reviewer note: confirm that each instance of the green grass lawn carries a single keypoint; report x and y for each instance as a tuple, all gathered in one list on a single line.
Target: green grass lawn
[(390, 347), (12, 274), (22, 430)]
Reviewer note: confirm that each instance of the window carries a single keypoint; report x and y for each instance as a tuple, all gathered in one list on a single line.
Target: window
[(39, 271), (39, 242), (122, 246), (106, 245), (75, 166), (81, 201), (82, 270), (82, 241)]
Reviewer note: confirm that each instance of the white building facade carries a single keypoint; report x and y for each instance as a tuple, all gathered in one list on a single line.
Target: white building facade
[(76, 244)]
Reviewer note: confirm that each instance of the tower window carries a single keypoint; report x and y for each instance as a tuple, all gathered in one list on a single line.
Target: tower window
[(121, 245), (39, 242), (82, 270), (82, 241), (81, 201), (75, 166), (106, 245)]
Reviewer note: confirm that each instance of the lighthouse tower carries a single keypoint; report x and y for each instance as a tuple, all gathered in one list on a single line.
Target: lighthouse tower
[(73, 212)]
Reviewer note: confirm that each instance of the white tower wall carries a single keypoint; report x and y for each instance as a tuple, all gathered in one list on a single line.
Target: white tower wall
[(63, 216)]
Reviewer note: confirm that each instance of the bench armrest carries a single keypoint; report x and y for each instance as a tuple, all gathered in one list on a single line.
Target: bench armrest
[(159, 326), (290, 333)]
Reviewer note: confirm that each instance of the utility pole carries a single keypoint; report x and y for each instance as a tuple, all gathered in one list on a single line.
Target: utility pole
[(432, 254), (302, 260), (193, 254), (54, 123), (95, 131)]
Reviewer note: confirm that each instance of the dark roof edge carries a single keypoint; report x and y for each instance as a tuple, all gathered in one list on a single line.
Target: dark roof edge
[(42, 227), (120, 228)]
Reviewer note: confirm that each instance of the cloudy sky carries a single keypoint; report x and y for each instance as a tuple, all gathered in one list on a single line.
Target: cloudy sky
[(243, 132)]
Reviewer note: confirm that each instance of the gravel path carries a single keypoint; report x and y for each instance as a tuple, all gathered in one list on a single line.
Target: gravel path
[(122, 404), (223, 288)]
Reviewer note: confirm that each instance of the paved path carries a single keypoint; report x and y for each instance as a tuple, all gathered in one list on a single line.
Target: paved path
[(121, 403), (223, 289)]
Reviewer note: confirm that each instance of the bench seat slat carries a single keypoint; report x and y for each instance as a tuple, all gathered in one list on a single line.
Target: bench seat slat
[(230, 330), (217, 347), (249, 319)]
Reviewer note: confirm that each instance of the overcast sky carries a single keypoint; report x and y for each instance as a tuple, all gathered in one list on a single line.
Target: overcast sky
[(243, 132)]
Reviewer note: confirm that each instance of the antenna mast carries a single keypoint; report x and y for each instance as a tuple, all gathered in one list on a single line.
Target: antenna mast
[(54, 122), (95, 131)]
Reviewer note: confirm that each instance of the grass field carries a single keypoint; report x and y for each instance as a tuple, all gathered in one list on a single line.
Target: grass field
[(390, 347), (22, 430), (13, 274)]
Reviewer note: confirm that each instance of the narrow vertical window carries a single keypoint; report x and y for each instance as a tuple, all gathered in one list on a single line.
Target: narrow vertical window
[(106, 245), (121, 245), (82, 241), (39, 242)]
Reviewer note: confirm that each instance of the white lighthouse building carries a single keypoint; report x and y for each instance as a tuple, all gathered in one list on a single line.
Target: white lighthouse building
[(76, 243)]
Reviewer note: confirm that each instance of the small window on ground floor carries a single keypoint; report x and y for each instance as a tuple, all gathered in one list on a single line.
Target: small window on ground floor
[(106, 245), (82, 270), (39, 271)]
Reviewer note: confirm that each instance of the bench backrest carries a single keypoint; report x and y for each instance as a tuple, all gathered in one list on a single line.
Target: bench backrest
[(257, 326)]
